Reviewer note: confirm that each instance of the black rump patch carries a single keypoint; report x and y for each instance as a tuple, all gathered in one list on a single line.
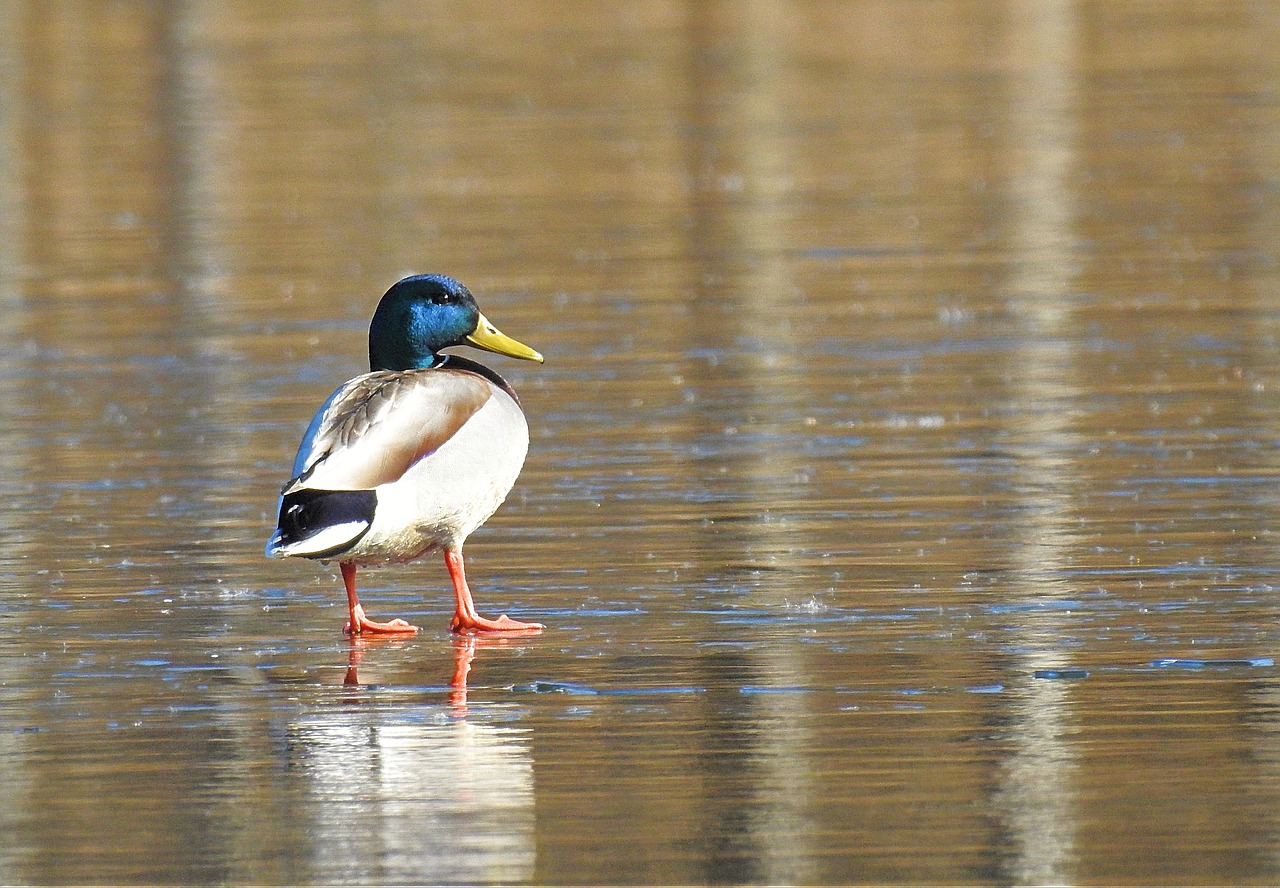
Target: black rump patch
[(306, 512)]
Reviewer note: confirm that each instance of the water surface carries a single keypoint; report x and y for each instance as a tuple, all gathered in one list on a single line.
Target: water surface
[(902, 492)]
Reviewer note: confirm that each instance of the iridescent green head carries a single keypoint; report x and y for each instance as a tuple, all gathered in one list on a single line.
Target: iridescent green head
[(425, 313)]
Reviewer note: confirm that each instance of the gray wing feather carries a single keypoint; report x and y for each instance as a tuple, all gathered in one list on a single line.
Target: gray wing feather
[(374, 427)]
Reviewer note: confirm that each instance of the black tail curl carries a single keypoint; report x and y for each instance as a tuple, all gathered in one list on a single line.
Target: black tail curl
[(307, 512)]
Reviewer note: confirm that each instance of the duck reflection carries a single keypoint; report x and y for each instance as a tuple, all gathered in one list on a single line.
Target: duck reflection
[(416, 793)]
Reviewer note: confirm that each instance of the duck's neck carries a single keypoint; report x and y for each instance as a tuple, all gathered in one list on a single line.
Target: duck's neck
[(402, 358)]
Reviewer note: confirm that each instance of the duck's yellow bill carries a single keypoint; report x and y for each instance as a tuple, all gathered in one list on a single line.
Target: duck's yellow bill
[(490, 338)]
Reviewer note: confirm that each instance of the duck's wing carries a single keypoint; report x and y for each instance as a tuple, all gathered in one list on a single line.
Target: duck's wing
[(373, 428)]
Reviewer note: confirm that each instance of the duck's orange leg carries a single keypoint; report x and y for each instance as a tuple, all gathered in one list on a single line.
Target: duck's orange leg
[(465, 619), (359, 622)]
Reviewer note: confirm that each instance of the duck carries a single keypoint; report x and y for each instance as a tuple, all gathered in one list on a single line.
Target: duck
[(407, 460)]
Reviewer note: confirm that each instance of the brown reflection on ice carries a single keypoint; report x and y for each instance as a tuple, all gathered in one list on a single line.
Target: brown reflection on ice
[(748, 305), (83, 215), (11, 196), (14, 791), (1263, 711), (1036, 794)]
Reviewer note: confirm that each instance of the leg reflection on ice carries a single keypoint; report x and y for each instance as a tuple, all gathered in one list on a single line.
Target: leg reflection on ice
[(464, 652)]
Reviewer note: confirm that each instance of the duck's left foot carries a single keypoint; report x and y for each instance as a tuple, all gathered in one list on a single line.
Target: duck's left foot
[(360, 624), (464, 624)]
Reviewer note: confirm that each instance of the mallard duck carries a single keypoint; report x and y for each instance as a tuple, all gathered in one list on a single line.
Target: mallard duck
[(411, 457)]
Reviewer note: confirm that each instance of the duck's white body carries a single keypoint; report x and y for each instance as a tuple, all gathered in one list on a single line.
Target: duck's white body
[(439, 448), (444, 497)]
